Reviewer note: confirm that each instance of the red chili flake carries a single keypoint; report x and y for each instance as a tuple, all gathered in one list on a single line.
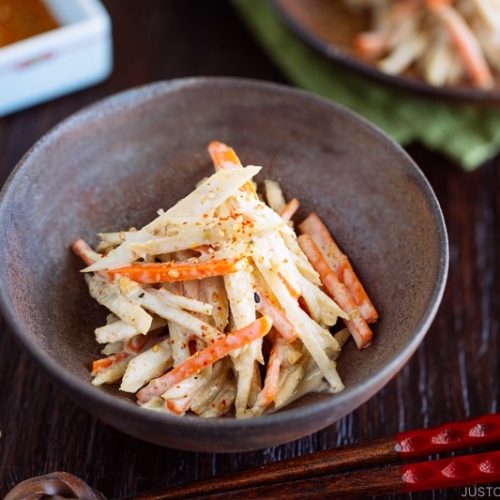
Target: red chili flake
[(192, 347), (303, 305)]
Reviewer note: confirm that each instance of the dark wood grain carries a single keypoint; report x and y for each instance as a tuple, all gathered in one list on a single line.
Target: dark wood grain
[(339, 487), (285, 473), (453, 375)]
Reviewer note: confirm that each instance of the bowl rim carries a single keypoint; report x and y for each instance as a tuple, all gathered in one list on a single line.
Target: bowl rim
[(134, 96)]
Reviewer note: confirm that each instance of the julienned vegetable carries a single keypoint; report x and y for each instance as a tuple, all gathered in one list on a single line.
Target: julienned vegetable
[(218, 306), (445, 41)]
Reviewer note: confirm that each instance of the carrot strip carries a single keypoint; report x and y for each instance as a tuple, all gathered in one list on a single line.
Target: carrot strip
[(289, 209), (281, 323), (340, 264), (158, 272), (465, 42), (136, 343), (89, 256), (102, 364), (436, 4), (223, 156), (372, 44), (84, 251), (206, 357), (134, 346), (356, 325), (404, 9), (178, 407), (271, 381)]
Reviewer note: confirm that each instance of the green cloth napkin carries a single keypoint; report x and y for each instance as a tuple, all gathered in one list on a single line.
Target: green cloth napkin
[(467, 134)]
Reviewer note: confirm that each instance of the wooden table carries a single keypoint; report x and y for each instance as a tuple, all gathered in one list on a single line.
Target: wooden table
[(455, 373)]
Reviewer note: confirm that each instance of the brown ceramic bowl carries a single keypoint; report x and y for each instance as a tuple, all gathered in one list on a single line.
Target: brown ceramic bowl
[(329, 27), (113, 164)]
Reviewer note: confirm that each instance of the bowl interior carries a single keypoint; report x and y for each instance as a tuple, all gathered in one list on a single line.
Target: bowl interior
[(114, 164)]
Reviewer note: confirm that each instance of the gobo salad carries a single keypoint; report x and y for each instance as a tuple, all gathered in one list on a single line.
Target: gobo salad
[(218, 306)]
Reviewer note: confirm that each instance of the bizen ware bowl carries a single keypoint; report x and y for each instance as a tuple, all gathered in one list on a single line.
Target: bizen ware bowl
[(113, 164)]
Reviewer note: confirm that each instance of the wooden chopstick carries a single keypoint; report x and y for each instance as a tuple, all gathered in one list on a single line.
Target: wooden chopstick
[(320, 473), (323, 474), (397, 479), (316, 464)]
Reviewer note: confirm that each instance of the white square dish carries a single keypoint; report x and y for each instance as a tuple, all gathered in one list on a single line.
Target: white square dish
[(73, 56)]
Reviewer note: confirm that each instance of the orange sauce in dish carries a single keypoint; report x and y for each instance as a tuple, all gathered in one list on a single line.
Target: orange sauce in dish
[(21, 19)]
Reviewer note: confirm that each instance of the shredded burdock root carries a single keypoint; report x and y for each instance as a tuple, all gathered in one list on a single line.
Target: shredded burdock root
[(218, 306)]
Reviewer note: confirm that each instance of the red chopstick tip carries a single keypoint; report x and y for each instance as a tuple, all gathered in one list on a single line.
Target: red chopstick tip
[(418, 474), (457, 469), (412, 444), (449, 437), (490, 466), (483, 429), (451, 472)]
